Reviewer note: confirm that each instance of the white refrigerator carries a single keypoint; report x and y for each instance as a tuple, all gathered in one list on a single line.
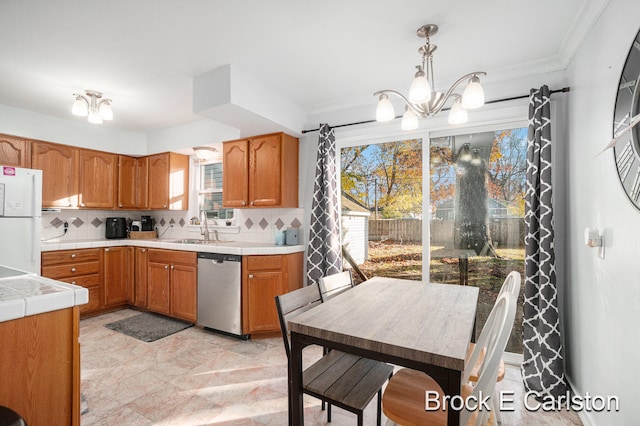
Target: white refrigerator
[(20, 218)]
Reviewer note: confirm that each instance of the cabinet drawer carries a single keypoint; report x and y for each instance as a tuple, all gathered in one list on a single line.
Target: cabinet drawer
[(71, 270), (84, 280), (262, 263), (172, 256), (70, 256)]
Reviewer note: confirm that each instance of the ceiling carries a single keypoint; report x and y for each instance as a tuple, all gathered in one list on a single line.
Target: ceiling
[(322, 55)]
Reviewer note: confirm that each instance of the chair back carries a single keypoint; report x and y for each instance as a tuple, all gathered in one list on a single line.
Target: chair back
[(511, 284), (492, 342), (292, 304), (332, 285)]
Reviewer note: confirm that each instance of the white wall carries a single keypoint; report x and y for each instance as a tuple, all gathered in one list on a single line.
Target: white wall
[(602, 303)]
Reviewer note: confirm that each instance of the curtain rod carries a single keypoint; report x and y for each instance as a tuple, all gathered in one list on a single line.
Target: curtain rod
[(563, 90)]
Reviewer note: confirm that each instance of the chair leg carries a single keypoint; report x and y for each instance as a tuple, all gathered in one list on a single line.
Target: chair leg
[(323, 403), (360, 418), (379, 407), (328, 412), (496, 411)]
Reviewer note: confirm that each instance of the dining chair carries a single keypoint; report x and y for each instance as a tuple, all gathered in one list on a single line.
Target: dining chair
[(332, 285), (511, 284), (405, 396), (344, 380)]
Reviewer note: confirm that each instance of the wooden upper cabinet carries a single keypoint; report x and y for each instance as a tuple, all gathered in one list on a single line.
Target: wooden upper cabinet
[(142, 171), (159, 181), (15, 151), (261, 172), (235, 174), (168, 181), (98, 179), (127, 182), (59, 165), (133, 182)]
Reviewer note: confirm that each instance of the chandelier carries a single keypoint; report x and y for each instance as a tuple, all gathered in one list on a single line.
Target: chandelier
[(92, 106), (423, 100)]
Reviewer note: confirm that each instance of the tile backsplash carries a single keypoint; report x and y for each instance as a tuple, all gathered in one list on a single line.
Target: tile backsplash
[(256, 225)]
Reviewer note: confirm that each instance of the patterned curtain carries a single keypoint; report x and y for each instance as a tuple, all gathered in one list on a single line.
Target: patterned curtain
[(542, 368), (323, 257)]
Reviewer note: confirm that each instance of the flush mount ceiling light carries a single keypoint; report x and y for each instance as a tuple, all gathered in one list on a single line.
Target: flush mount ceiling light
[(423, 100), (92, 106), (204, 152)]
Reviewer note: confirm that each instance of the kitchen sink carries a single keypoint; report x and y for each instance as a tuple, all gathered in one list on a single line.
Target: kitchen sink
[(195, 241)]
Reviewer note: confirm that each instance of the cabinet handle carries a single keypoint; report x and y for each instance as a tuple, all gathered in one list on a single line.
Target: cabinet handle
[(244, 203), (73, 256), (164, 206), (144, 250), (120, 205), (250, 275), (171, 266), (81, 204), (73, 269), (166, 266), (73, 282), (252, 203), (106, 249)]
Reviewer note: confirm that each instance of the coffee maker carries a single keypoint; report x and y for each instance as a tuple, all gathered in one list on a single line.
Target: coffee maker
[(146, 223)]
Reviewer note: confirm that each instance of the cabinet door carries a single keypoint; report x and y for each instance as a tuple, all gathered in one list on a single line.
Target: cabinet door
[(140, 282), (98, 175), (265, 165), (142, 185), (184, 292), (127, 182), (262, 288), (116, 275), (235, 174), (59, 173), (178, 181), (15, 152), (159, 181), (158, 278)]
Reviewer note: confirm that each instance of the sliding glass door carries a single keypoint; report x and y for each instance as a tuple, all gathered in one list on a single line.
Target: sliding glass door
[(451, 213)]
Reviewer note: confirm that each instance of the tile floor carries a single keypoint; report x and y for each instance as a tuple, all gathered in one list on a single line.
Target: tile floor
[(197, 377)]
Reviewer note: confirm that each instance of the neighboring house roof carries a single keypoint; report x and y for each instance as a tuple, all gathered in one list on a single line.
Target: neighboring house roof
[(351, 205)]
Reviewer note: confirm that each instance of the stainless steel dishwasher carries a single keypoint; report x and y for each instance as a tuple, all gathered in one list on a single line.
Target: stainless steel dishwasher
[(220, 293)]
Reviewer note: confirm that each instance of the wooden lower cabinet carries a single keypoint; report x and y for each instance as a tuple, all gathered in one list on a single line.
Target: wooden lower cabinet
[(117, 275), (264, 278), (141, 260), (172, 283), (81, 267), (158, 287), (40, 367)]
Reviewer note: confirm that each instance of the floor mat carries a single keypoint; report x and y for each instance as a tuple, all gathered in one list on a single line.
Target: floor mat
[(148, 327)]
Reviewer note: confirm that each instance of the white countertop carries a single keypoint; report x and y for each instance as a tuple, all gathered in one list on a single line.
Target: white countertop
[(242, 248), (23, 294)]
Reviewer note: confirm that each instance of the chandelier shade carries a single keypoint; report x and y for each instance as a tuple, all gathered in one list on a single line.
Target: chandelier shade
[(92, 106), (204, 152), (423, 100)]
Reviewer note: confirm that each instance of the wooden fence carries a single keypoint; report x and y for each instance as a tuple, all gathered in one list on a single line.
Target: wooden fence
[(505, 232)]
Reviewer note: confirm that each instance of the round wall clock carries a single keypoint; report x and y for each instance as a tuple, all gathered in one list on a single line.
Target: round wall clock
[(627, 149)]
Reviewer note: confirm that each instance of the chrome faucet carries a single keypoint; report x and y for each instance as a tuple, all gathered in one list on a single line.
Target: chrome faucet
[(204, 220), (206, 231)]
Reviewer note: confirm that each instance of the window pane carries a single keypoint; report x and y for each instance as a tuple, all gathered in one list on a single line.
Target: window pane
[(382, 208), (211, 177), (477, 214), (210, 192)]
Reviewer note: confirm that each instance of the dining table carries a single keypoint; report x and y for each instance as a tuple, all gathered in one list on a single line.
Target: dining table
[(414, 324)]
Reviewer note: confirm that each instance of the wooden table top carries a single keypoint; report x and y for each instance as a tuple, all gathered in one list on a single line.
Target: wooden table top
[(428, 323)]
